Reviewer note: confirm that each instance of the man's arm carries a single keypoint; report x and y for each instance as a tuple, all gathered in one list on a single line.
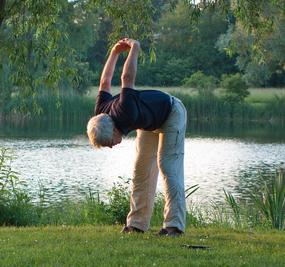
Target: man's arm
[(108, 71), (130, 67)]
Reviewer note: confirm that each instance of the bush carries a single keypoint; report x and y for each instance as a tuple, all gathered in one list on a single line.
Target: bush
[(200, 81), (235, 88), (119, 202)]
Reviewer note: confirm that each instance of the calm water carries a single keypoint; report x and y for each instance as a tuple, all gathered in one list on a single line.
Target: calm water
[(67, 167)]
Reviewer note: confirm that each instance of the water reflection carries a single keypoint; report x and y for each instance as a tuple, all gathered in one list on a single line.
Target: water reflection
[(253, 179), (251, 131)]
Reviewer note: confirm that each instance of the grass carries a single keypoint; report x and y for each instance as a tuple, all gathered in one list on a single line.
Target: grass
[(106, 246), (263, 95)]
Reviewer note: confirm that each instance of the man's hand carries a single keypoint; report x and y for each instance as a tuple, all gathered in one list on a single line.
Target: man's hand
[(121, 46), (131, 42), (125, 44)]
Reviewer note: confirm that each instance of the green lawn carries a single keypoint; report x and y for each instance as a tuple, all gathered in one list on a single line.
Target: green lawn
[(264, 94), (106, 246)]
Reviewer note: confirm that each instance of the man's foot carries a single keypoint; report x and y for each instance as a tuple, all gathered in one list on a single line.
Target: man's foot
[(131, 229), (170, 231)]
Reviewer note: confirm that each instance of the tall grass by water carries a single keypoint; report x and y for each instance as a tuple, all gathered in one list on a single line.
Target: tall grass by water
[(72, 109), (63, 112), (264, 206), (211, 108)]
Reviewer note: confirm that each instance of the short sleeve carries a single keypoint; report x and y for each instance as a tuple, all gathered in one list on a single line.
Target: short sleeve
[(102, 100)]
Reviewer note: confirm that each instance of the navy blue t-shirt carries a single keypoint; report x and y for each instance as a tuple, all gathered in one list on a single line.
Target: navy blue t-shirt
[(135, 109)]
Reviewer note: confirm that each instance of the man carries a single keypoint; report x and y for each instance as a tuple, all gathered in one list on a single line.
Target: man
[(160, 121)]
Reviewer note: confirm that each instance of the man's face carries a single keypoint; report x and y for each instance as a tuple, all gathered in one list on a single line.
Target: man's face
[(117, 139)]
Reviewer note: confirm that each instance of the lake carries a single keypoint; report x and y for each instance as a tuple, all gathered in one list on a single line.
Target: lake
[(237, 160)]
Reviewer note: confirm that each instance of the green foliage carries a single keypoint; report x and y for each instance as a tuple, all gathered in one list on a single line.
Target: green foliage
[(39, 42), (257, 18), (272, 201), (119, 202), (257, 75), (15, 205), (33, 61), (157, 214), (53, 45), (193, 43), (235, 88), (259, 50), (5, 87), (83, 78), (203, 83)]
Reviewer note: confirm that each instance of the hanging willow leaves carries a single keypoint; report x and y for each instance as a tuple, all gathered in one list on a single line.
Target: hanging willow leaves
[(35, 42)]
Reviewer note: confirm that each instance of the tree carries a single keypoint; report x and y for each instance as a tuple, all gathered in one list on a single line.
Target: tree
[(235, 91), (203, 83), (260, 67), (184, 47), (34, 40), (235, 88), (255, 17)]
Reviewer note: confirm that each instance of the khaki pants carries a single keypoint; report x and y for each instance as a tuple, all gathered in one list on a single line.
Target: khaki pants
[(160, 150)]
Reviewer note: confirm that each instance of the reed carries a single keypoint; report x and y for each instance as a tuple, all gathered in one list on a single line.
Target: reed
[(235, 208), (56, 112), (214, 109), (271, 202), (69, 110)]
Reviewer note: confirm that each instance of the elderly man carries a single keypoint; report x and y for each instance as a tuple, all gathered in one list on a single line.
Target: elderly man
[(160, 121)]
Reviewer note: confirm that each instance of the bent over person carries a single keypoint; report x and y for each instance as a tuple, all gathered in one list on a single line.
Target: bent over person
[(160, 122)]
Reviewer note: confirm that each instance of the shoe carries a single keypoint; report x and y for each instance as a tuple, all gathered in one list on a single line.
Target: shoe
[(131, 229), (170, 231)]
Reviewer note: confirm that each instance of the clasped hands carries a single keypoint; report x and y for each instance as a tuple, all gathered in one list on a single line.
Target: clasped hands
[(125, 44)]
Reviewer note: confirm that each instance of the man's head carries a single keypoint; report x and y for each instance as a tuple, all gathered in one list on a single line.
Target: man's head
[(102, 132)]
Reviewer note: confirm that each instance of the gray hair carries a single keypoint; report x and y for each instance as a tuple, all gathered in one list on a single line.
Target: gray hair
[(100, 129)]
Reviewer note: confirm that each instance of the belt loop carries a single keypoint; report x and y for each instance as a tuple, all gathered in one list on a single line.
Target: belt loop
[(172, 100)]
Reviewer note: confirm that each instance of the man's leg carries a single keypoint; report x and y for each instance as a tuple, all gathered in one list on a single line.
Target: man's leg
[(171, 165), (144, 180)]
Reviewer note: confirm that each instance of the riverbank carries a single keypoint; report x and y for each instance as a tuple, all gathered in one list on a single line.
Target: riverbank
[(106, 246), (70, 111)]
